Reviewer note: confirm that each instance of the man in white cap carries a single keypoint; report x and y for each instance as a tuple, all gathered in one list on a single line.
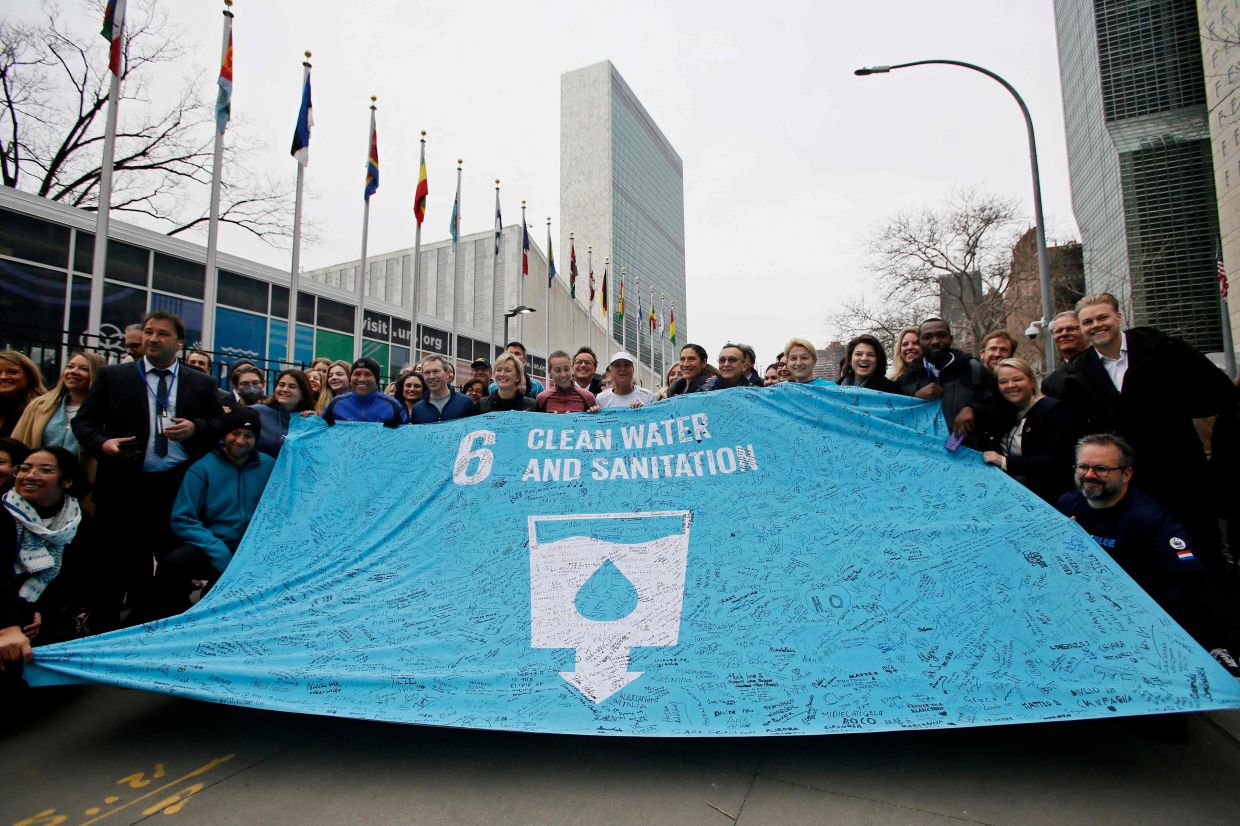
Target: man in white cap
[(622, 393)]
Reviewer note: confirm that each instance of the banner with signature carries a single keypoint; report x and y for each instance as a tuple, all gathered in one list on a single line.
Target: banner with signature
[(790, 560)]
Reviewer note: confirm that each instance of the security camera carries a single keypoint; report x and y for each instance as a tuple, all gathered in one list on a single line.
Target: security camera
[(1031, 332)]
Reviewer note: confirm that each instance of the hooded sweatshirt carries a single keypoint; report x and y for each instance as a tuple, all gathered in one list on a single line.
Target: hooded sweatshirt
[(216, 501)]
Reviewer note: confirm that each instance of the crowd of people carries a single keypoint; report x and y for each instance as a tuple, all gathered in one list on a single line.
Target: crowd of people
[(127, 488)]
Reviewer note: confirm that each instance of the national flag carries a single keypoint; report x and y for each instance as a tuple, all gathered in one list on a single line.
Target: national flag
[(305, 119), (591, 284), (603, 297), (671, 327), (525, 249), (454, 228), (499, 221), (620, 302), (223, 99), (1222, 277), (113, 31), (572, 270), (550, 261), (419, 195), (654, 319), (372, 164)]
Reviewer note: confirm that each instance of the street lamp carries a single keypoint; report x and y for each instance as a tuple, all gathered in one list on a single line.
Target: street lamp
[(513, 313), (1044, 271)]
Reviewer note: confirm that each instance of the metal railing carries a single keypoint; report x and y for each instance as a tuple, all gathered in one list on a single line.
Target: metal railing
[(51, 349)]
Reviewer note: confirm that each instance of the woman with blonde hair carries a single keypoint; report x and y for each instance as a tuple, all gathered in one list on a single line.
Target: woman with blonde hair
[(907, 351), (46, 422), (1038, 451), (510, 385), (20, 385), (337, 382)]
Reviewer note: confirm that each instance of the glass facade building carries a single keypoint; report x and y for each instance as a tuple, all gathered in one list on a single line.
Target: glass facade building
[(622, 192), (46, 257), (1139, 160)]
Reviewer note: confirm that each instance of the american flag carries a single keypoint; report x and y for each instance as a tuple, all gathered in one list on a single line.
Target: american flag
[(1222, 277)]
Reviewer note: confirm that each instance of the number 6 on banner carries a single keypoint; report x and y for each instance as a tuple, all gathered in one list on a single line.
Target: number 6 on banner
[(467, 454)]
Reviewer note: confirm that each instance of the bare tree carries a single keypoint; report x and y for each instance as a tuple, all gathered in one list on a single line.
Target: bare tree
[(54, 84), (858, 315), (955, 259)]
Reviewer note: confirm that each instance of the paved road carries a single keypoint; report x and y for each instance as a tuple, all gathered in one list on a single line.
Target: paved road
[(105, 755)]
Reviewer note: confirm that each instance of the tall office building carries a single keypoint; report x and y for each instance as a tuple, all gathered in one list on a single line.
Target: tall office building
[(622, 193), (1139, 159)]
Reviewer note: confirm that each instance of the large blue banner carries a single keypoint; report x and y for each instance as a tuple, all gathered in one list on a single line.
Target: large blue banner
[(790, 560)]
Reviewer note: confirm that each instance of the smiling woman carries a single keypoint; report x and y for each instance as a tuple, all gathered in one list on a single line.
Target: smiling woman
[(20, 384), (47, 420), (39, 520)]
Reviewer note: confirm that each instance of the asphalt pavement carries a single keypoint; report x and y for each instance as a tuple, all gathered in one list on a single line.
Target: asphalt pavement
[(95, 754)]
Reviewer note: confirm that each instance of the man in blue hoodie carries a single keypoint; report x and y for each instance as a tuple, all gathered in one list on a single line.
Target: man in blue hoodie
[(365, 403), (213, 508)]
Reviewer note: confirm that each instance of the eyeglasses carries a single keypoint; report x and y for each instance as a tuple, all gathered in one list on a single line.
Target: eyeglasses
[(729, 360), (37, 470), (584, 363), (1099, 470)]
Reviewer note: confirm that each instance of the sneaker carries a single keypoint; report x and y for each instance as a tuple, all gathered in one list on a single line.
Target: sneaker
[(1225, 659)]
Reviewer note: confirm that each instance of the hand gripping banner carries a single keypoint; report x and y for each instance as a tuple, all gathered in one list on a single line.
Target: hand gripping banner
[(789, 560)]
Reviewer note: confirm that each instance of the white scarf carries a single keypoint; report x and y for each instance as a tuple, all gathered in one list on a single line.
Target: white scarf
[(40, 543)]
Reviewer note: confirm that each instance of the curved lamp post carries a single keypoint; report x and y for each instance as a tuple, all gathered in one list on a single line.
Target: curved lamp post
[(513, 313), (1044, 272)]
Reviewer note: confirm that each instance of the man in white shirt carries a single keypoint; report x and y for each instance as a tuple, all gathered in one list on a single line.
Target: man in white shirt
[(623, 393), (1167, 400)]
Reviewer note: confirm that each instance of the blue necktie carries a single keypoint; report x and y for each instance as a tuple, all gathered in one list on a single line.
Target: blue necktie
[(161, 399)]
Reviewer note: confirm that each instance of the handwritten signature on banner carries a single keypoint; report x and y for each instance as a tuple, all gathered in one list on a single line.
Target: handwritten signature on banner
[(785, 560)]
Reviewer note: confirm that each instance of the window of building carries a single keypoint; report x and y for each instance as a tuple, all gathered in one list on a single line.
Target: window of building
[(243, 293), (127, 263), (176, 275), (32, 239), (31, 298), (279, 301), (335, 316)]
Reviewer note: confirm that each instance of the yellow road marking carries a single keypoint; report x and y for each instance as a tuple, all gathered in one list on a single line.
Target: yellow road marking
[(203, 769)]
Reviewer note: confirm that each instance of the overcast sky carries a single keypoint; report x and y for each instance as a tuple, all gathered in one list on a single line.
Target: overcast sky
[(789, 160)]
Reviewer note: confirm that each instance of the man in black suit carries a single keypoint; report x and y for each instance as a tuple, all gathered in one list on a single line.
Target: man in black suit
[(145, 422), (1070, 342), (1167, 400)]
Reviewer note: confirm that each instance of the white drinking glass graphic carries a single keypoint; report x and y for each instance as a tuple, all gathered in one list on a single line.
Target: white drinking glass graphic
[(648, 578)]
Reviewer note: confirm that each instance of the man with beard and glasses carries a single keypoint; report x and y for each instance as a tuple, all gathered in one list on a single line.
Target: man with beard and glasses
[(1176, 409), (1150, 545)]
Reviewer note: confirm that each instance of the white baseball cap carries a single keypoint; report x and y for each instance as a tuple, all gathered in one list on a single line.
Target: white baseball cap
[(621, 355)]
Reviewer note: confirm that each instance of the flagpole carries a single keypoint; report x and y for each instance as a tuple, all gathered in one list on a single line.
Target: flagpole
[(652, 332), (624, 326), (521, 278), (296, 269), (663, 338), (550, 278), (499, 229), (572, 297), (456, 268), (213, 227), (1229, 348), (638, 325), (417, 261), (359, 285), (94, 318)]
